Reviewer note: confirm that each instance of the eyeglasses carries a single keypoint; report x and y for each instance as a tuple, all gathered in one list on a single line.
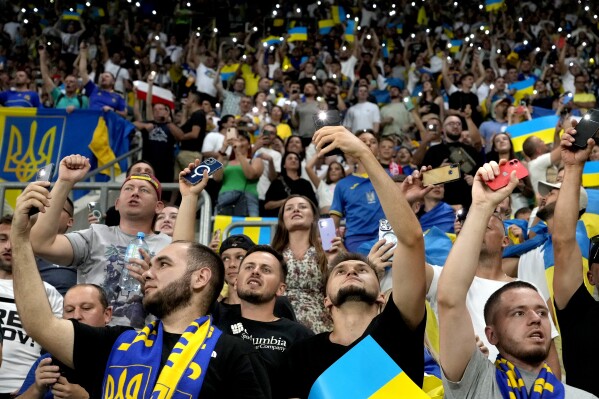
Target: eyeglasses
[(456, 123)]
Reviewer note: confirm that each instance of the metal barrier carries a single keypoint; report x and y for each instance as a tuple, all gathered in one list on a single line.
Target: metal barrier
[(110, 165), (251, 223), (204, 230)]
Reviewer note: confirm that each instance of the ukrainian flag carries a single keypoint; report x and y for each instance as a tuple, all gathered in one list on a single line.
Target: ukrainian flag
[(349, 31), (271, 40), (298, 34), (325, 26), (80, 8), (591, 216), (399, 29), (338, 14), (454, 46), (228, 71), (365, 371), (493, 5), (448, 30), (71, 16), (543, 128), (33, 137), (259, 235), (590, 174), (523, 88), (98, 12)]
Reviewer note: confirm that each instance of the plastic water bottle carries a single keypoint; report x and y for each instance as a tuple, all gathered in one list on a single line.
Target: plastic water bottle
[(127, 282)]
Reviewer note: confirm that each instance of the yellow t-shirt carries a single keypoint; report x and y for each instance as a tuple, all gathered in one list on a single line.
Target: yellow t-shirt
[(251, 80), (283, 130), (584, 98)]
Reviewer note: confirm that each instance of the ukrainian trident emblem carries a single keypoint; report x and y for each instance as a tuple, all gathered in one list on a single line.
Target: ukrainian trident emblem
[(24, 163)]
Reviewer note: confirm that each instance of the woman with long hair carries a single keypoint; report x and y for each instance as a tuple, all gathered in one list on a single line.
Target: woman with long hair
[(431, 101), (297, 238), (238, 195), (275, 117), (503, 148), (289, 182), (325, 187)]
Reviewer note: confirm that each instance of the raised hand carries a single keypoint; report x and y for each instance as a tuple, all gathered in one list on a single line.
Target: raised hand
[(187, 188), (73, 168), (331, 137), (573, 155), (482, 194), (35, 195)]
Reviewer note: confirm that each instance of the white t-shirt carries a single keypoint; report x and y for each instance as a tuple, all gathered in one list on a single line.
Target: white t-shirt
[(348, 66), (478, 295), (324, 194), (213, 142), (362, 116), (264, 181), (537, 169), (119, 73), (19, 351), (205, 80)]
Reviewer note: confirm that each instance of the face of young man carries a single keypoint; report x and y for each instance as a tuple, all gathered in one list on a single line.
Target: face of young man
[(521, 328), (352, 281), (232, 258), (260, 278), (138, 199)]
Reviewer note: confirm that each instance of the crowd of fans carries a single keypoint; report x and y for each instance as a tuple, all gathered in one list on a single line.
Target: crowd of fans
[(401, 88)]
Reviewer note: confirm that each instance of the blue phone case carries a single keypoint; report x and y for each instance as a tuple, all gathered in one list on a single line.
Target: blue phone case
[(196, 175)]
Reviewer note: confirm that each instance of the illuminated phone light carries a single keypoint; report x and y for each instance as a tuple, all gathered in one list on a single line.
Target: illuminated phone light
[(480, 7), (24, 10)]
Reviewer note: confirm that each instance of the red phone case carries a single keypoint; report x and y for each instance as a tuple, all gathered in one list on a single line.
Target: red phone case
[(505, 171)]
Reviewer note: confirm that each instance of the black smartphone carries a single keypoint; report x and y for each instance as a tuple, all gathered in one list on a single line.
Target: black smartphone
[(587, 128), (196, 175), (328, 118), (43, 174)]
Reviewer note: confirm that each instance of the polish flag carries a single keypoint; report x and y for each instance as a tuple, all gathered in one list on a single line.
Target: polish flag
[(159, 95)]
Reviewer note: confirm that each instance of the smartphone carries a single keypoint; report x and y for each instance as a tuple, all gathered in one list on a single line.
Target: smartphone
[(326, 226), (567, 97), (505, 171), (231, 133), (152, 75), (328, 118), (409, 104), (43, 174), (443, 174), (196, 175), (587, 128), (386, 232), (94, 209)]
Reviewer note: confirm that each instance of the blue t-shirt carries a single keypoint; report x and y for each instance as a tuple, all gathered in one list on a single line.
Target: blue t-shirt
[(490, 128), (356, 200), (13, 98), (99, 98)]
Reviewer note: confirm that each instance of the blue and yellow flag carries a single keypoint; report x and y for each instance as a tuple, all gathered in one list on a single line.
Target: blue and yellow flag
[(259, 235), (271, 40), (448, 30), (350, 30), (523, 88), (543, 128), (71, 16), (98, 12), (298, 34), (493, 5), (325, 26), (399, 29), (591, 216), (454, 46), (31, 138), (365, 371), (80, 8), (590, 174), (338, 14), (228, 71)]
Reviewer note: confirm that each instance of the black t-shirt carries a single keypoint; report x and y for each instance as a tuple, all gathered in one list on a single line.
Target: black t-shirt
[(224, 311), (198, 118), (236, 369), (277, 192), (458, 100), (579, 325), (271, 339), (305, 361), (458, 192), (159, 150)]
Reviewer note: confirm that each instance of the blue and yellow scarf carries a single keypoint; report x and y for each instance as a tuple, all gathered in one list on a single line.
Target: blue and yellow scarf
[(132, 369), (512, 386)]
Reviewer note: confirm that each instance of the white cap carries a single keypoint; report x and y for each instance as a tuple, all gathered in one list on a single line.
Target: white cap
[(546, 187)]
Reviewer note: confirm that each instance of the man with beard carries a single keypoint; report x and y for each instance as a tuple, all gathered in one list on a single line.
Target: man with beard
[(103, 96), (181, 351), (19, 349), (395, 117), (517, 317), (352, 287), (451, 151), (260, 281)]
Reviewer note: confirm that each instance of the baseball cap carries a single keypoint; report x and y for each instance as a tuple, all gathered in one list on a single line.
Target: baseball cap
[(236, 241), (150, 179), (546, 187)]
